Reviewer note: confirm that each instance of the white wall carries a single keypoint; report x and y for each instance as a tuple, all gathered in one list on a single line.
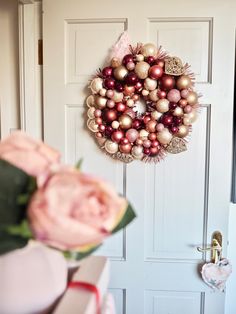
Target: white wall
[(9, 74)]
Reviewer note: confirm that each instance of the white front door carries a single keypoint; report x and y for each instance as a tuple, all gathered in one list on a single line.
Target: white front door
[(181, 201)]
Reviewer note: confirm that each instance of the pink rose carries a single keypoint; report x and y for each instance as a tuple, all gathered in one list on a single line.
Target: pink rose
[(73, 210), (32, 156)]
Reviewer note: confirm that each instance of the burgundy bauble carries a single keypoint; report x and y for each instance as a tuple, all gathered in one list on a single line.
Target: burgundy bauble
[(146, 119), (136, 124), (125, 148), (173, 105), (109, 115), (174, 129), (146, 151), (107, 71), (167, 120), (109, 83), (124, 141), (150, 60), (177, 121), (101, 128), (154, 151), (155, 144), (167, 82), (161, 94), (108, 131), (131, 79), (138, 86), (155, 72), (117, 136), (119, 87), (120, 107), (128, 58)]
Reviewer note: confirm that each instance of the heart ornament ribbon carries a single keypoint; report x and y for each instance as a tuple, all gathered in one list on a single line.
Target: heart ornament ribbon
[(215, 275)]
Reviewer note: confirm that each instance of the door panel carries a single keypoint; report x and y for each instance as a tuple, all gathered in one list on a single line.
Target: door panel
[(181, 201)]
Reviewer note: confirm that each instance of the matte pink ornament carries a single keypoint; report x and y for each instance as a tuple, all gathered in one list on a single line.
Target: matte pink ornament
[(132, 135), (110, 103), (188, 109), (174, 95), (110, 93), (184, 93), (160, 127), (130, 66), (147, 143)]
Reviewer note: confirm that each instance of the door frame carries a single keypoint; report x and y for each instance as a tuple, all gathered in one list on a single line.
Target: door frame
[(31, 73)]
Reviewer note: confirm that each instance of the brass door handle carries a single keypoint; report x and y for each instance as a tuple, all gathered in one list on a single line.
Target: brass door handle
[(215, 248)]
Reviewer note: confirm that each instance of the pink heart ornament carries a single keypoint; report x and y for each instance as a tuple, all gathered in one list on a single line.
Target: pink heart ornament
[(216, 275)]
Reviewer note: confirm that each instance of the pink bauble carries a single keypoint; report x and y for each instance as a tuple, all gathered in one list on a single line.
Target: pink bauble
[(184, 93), (110, 103), (174, 95), (147, 143), (124, 141), (125, 148), (161, 94), (152, 136), (132, 135), (155, 143), (120, 107), (97, 113), (183, 102), (160, 127), (130, 66), (155, 72), (139, 141), (151, 126), (117, 136), (110, 93), (146, 119), (188, 109)]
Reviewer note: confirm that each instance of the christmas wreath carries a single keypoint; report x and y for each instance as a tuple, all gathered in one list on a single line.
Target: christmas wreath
[(143, 105)]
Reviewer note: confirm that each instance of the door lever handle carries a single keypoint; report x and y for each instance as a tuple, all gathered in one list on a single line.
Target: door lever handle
[(215, 248)]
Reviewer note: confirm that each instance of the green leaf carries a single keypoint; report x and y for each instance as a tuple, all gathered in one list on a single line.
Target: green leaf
[(79, 164), (13, 183), (79, 255), (22, 230), (127, 218)]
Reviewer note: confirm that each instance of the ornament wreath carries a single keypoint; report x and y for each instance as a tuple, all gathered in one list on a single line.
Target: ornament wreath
[(143, 105)]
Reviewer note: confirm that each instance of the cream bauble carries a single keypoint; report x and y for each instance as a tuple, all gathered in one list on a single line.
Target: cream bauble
[(92, 125), (117, 97), (141, 69), (111, 147), (143, 134), (164, 137), (115, 124), (178, 112), (125, 121), (183, 131), (96, 85), (149, 50), (137, 152), (90, 101), (139, 57), (150, 84), (189, 118), (100, 102), (153, 95), (102, 92), (162, 105), (192, 98), (90, 112), (156, 114), (120, 72)]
